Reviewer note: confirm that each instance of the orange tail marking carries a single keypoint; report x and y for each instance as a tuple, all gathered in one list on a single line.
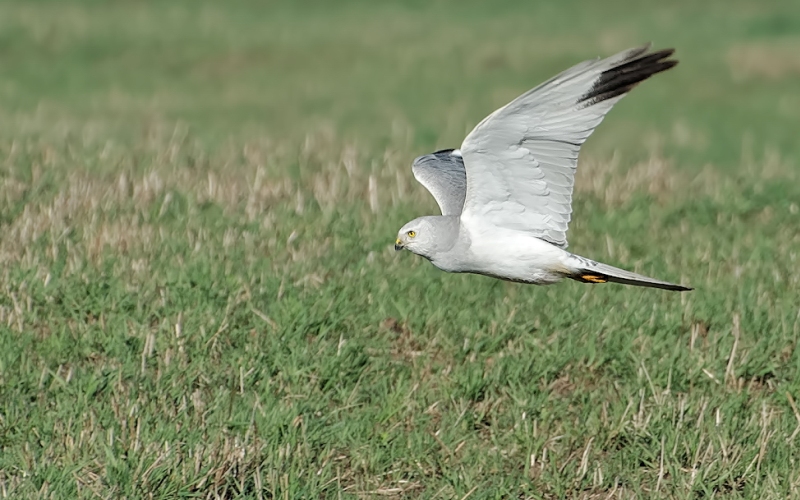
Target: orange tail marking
[(593, 278)]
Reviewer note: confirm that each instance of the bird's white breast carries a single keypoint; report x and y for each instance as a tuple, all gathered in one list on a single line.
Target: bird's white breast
[(512, 254)]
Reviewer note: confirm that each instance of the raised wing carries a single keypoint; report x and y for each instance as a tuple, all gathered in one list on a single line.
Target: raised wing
[(521, 159), (442, 173)]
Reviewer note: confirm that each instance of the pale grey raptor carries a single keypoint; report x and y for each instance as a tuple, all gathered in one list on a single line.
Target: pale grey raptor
[(506, 194)]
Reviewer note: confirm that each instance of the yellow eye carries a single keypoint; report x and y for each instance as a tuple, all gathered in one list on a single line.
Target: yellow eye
[(411, 234)]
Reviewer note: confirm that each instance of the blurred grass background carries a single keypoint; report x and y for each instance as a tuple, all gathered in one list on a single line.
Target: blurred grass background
[(200, 299)]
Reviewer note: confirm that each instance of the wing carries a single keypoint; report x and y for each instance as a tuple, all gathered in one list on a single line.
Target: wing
[(521, 159), (442, 173)]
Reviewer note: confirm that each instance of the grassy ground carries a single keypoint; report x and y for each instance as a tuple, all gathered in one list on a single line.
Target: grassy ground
[(200, 298)]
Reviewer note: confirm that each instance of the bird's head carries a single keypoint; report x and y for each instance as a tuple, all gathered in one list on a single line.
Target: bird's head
[(418, 236)]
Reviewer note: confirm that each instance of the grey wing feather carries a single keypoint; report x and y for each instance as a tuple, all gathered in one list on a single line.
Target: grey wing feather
[(443, 174), (521, 159)]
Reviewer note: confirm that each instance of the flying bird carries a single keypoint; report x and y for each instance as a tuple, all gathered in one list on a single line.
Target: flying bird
[(506, 193)]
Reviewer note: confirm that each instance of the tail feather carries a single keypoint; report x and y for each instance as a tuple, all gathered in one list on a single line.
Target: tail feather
[(596, 272)]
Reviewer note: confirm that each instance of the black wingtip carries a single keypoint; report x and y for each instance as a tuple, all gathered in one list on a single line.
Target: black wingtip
[(680, 288), (672, 287), (622, 78)]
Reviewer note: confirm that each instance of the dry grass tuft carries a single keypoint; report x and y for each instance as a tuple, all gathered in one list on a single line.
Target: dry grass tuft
[(614, 185), (764, 60)]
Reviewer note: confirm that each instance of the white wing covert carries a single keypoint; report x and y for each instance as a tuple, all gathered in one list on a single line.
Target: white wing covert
[(521, 160)]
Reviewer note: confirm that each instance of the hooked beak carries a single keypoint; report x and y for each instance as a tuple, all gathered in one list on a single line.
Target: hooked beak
[(398, 245)]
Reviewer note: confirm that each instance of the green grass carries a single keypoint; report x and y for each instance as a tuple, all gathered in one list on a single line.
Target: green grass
[(200, 298)]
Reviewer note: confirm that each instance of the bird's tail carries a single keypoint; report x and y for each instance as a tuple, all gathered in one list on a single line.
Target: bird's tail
[(589, 271)]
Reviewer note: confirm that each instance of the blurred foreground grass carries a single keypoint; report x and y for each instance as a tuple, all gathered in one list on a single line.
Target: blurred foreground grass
[(197, 206)]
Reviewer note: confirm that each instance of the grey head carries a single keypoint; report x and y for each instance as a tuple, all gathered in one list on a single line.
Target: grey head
[(428, 236)]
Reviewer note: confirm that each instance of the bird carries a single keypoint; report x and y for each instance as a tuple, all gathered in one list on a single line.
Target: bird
[(505, 195)]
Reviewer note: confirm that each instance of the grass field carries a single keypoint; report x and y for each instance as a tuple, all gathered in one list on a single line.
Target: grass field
[(200, 298)]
